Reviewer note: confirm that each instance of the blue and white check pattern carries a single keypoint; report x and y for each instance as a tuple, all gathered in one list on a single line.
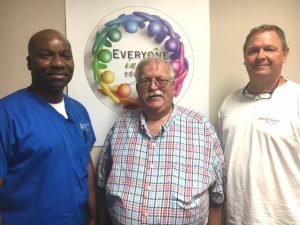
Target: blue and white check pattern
[(166, 179)]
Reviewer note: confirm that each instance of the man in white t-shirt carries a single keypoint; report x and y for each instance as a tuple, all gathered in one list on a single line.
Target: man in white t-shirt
[(260, 133)]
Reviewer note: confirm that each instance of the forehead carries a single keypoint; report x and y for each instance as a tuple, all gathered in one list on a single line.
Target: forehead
[(263, 39), (52, 42), (155, 67)]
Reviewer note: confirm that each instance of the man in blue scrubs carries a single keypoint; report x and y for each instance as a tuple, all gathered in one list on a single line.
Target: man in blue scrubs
[(46, 173)]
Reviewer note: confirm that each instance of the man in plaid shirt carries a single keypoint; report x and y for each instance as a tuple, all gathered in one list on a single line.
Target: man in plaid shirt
[(161, 164)]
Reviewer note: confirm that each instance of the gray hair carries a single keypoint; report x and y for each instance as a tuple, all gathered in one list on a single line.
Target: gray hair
[(145, 61)]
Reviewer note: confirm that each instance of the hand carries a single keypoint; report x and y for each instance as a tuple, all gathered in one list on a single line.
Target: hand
[(91, 222)]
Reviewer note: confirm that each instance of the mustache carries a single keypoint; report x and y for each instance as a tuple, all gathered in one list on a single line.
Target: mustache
[(155, 93)]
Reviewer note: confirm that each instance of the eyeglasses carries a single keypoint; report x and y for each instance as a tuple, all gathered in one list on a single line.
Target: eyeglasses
[(159, 82), (264, 95)]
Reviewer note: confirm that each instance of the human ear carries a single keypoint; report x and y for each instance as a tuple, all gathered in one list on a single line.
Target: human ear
[(28, 58), (285, 54)]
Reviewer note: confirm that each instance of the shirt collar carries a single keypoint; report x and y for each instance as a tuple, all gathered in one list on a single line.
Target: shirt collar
[(164, 128)]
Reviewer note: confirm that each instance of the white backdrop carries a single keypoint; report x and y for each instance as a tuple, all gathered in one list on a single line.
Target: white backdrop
[(128, 46)]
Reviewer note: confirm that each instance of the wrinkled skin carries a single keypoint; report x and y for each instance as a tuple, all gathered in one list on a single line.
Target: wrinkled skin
[(156, 102)]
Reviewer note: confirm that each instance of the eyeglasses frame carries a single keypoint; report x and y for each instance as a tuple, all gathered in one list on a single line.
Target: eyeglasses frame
[(147, 83), (260, 95)]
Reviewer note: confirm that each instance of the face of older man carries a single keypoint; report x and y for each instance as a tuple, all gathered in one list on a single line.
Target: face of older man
[(155, 88)]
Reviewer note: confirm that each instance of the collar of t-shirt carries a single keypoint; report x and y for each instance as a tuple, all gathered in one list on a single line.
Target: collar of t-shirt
[(60, 107)]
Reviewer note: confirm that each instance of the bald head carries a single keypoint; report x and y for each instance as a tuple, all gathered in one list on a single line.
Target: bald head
[(51, 64), (45, 35)]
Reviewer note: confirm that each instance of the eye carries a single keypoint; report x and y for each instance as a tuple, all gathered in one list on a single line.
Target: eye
[(270, 49), (161, 80), (144, 81), (252, 51), (45, 55), (67, 55)]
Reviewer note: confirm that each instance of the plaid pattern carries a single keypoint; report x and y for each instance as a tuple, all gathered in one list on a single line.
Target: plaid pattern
[(165, 179)]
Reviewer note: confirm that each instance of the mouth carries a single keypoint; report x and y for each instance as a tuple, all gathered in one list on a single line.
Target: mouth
[(261, 65), (57, 76)]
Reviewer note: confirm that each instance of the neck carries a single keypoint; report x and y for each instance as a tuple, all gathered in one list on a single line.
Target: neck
[(155, 121), (51, 97), (260, 86), (157, 116)]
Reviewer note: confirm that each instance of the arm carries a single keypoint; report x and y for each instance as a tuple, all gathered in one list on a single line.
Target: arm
[(103, 216), (215, 215), (92, 207), (103, 171), (1, 183)]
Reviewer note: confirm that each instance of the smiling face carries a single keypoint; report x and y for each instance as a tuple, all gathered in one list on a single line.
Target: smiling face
[(264, 55), (155, 101), (50, 62)]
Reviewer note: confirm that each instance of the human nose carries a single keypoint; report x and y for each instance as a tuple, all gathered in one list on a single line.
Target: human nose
[(261, 53), (57, 61), (153, 84)]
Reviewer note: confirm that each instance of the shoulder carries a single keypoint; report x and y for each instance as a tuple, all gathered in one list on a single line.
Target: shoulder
[(233, 96), (130, 116), (15, 96), (291, 84), (195, 122), (189, 114), (289, 90), (127, 121), (75, 105), (72, 101), (16, 100), (231, 99), (77, 111)]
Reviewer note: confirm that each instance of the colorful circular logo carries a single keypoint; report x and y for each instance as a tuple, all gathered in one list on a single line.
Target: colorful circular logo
[(116, 46)]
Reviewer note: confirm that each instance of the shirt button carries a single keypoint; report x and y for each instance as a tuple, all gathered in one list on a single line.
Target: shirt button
[(149, 188), (145, 214)]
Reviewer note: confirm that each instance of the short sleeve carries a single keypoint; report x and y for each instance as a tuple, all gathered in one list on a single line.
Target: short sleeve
[(105, 161), (217, 189)]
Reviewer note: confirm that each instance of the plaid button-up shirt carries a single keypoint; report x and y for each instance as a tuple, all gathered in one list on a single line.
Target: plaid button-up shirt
[(163, 179)]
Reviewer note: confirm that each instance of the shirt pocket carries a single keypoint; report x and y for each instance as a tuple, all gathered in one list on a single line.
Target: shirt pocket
[(189, 190)]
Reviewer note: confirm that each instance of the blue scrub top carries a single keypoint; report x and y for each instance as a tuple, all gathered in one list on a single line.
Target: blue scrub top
[(43, 160)]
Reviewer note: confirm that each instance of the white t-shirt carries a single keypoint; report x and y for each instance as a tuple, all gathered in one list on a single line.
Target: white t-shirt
[(261, 140), (60, 107)]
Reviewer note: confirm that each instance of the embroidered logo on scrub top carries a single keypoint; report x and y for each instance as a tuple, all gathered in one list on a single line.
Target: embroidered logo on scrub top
[(85, 127)]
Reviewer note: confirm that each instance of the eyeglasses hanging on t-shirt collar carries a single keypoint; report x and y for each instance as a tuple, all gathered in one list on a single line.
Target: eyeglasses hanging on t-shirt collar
[(263, 95)]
